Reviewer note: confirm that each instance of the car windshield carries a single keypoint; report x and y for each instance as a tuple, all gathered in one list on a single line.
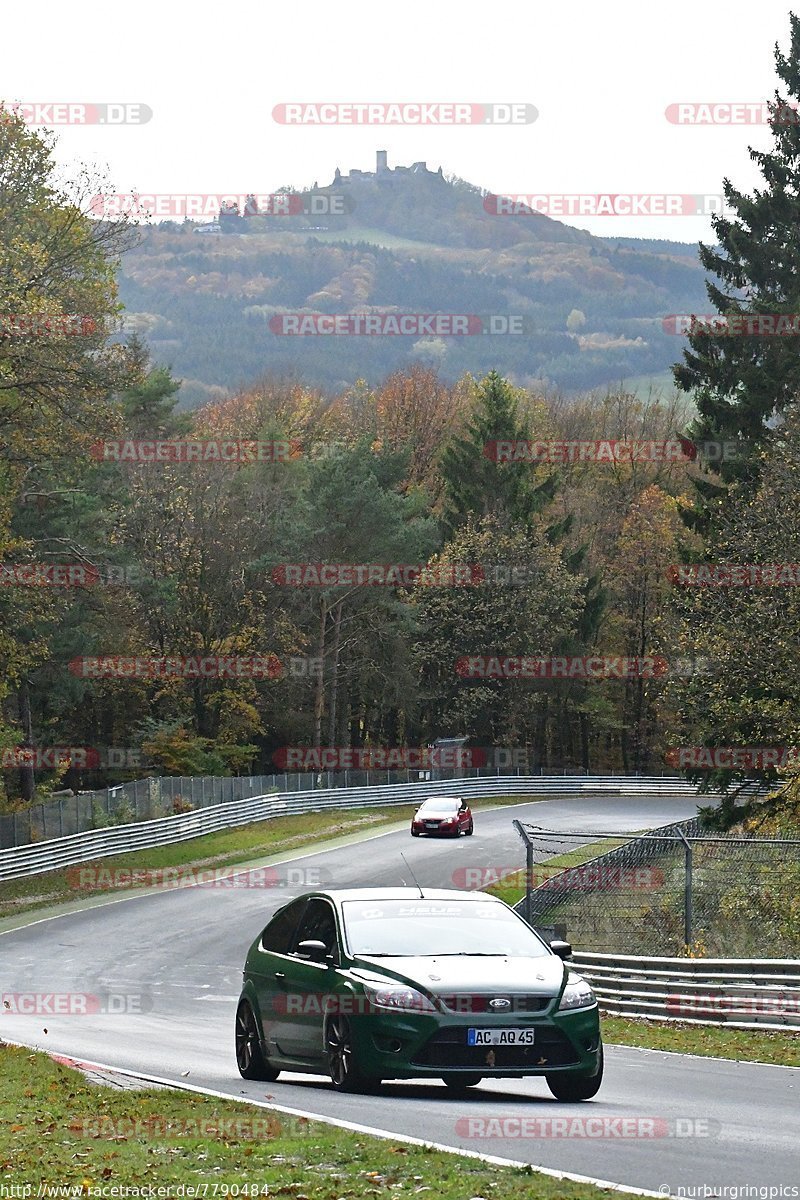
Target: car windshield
[(439, 808), (414, 927)]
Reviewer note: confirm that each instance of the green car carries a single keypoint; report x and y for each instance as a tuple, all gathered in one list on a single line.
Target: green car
[(399, 983)]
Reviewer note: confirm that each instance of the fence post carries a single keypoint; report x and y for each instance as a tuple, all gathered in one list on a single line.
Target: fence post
[(687, 890), (528, 879)]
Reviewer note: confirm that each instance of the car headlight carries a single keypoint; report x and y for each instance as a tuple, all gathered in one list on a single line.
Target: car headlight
[(398, 998), (577, 994)]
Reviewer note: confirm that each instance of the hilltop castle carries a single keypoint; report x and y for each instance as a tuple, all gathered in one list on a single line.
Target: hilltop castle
[(383, 173)]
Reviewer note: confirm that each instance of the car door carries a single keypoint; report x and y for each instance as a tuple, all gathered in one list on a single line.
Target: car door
[(309, 985), (268, 973), (463, 815)]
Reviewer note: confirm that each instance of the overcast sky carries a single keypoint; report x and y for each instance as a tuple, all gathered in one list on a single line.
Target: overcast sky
[(600, 75)]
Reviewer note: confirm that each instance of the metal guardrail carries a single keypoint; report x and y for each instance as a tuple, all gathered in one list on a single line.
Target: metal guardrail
[(742, 994), (164, 795), (38, 858)]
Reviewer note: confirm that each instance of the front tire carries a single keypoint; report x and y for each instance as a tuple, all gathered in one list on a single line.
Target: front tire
[(249, 1056), (469, 831), (459, 1083), (346, 1075), (415, 833), (571, 1088)]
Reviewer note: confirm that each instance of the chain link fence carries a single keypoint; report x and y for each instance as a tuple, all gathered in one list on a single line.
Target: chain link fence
[(148, 799), (673, 891)]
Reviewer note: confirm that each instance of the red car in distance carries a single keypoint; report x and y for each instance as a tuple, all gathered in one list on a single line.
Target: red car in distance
[(442, 814)]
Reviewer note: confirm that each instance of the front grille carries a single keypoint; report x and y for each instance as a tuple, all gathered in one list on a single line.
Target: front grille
[(469, 1002), (448, 1048)]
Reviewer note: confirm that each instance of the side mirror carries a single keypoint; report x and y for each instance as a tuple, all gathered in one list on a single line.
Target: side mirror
[(562, 949), (314, 951)]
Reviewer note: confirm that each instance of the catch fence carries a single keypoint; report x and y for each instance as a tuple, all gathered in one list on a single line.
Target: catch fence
[(677, 890)]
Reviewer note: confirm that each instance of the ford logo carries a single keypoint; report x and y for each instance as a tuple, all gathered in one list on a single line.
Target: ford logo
[(500, 1002)]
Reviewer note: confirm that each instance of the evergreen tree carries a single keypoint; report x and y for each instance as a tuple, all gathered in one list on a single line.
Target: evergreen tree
[(741, 384), (478, 486)]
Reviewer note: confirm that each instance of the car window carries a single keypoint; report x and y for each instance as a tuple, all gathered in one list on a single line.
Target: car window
[(318, 925), (278, 934), (416, 927), (439, 806)]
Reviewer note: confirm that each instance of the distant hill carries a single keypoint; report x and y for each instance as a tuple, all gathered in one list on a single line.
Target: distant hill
[(415, 242)]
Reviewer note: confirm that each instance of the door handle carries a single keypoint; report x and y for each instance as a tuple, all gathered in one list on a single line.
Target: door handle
[(280, 975)]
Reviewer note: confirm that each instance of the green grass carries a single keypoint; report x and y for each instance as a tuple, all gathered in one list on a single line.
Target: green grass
[(230, 847), (745, 1045), (512, 887), (63, 1131)]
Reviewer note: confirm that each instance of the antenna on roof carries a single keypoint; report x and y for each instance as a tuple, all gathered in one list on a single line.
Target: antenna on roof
[(413, 876)]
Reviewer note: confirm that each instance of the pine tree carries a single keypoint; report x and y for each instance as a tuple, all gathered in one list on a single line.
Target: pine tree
[(478, 486), (741, 383)]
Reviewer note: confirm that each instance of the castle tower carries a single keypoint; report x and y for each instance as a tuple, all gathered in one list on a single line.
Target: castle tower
[(382, 162)]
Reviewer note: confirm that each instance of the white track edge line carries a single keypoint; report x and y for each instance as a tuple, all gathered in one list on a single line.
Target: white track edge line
[(748, 1062), (386, 1134)]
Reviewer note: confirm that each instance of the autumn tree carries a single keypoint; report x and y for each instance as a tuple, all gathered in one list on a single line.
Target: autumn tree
[(58, 301)]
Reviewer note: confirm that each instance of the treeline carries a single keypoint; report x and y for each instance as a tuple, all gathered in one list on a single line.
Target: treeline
[(199, 561), (108, 560)]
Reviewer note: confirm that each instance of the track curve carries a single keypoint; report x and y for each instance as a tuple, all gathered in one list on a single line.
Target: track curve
[(178, 955)]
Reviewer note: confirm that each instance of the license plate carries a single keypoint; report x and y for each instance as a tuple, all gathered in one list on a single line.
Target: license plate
[(499, 1037), (431, 824)]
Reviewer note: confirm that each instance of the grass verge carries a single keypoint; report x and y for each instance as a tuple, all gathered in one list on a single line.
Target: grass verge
[(230, 847), (511, 888), (66, 1132), (781, 1047)]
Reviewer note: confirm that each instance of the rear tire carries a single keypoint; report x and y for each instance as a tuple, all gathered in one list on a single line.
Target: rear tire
[(571, 1088), (459, 1083), (249, 1056)]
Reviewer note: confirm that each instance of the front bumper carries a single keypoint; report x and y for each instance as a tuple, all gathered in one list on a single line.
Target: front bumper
[(411, 1045)]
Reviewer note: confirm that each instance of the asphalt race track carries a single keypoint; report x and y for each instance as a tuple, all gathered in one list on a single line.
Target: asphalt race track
[(177, 956)]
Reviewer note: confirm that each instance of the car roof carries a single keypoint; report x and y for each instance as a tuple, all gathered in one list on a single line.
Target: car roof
[(439, 799), (338, 895)]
